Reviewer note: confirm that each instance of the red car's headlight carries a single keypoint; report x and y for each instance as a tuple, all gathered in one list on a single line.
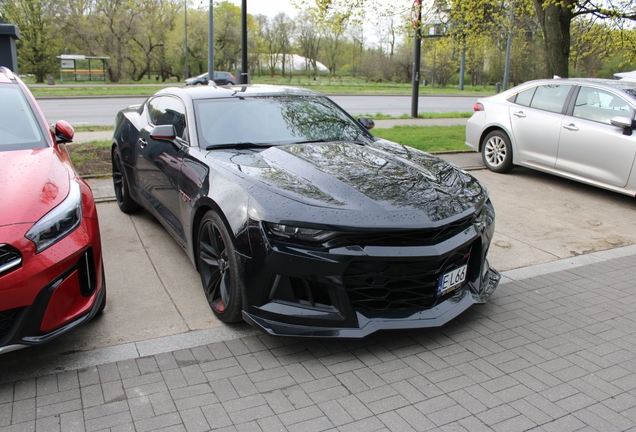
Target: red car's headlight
[(59, 222)]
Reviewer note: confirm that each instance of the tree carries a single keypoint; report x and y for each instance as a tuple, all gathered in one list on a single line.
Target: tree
[(554, 16), (39, 42), (308, 41)]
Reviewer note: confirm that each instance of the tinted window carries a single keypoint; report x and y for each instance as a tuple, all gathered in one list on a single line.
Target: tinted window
[(18, 126), (525, 97), (550, 97), (272, 120), (599, 105), (168, 110)]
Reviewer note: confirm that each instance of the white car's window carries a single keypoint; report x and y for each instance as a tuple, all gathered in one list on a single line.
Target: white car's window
[(18, 126), (550, 97), (525, 97), (600, 106)]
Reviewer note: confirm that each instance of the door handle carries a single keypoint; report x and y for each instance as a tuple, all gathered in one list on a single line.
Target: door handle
[(519, 114), (571, 127), (142, 143)]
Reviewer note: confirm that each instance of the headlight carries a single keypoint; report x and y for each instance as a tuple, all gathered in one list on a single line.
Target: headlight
[(298, 233), (485, 220), (59, 222)]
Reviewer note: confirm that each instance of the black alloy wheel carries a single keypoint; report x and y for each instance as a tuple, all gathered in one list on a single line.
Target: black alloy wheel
[(120, 184), (218, 269)]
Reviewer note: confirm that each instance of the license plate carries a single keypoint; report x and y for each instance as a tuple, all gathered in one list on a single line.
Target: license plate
[(451, 280)]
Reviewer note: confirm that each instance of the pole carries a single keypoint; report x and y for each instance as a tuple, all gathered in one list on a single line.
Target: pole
[(507, 68), (244, 68), (462, 66), (211, 42), (417, 45), (187, 73)]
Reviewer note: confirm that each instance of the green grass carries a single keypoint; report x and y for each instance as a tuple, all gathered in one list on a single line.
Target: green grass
[(426, 115), (427, 138), (96, 128), (323, 84), (93, 158)]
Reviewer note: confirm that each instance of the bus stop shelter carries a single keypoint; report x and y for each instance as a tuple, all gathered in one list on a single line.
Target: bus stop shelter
[(75, 67)]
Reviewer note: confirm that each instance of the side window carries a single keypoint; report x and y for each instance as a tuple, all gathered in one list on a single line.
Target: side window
[(600, 106), (525, 97), (154, 110), (168, 110), (550, 97), (174, 114)]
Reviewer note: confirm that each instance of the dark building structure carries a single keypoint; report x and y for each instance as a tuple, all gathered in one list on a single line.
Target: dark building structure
[(8, 54)]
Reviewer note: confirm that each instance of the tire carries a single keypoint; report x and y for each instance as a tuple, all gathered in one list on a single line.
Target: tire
[(218, 269), (120, 184), (496, 152)]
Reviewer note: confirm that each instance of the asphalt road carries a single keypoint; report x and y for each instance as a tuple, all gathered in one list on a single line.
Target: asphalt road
[(102, 111)]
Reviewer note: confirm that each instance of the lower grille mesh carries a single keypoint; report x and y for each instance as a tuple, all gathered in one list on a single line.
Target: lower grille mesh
[(394, 285), (7, 318)]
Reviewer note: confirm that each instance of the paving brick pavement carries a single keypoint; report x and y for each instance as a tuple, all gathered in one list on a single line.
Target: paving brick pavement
[(552, 352)]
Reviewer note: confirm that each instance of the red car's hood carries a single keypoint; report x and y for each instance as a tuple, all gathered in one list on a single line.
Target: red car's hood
[(32, 182)]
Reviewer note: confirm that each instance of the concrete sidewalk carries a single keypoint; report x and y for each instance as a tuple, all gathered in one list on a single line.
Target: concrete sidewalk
[(552, 352)]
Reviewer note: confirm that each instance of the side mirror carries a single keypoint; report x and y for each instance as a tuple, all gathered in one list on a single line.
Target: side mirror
[(626, 123), (63, 132), (366, 122), (163, 132)]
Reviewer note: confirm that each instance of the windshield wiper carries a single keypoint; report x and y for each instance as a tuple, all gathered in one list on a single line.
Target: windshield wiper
[(354, 140), (237, 145)]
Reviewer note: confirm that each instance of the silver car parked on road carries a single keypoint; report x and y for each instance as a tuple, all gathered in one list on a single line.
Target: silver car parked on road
[(580, 129)]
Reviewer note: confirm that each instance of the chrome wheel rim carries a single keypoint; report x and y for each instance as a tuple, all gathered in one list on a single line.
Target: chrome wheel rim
[(495, 151), (215, 267)]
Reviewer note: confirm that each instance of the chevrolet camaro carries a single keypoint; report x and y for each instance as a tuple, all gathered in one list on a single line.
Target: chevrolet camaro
[(300, 221)]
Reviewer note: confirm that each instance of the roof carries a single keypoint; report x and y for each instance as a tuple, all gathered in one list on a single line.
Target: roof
[(212, 91)]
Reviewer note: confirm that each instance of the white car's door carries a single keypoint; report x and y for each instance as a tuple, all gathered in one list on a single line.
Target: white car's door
[(535, 118), (590, 146)]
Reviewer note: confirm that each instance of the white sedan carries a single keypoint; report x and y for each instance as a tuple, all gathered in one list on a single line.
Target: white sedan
[(580, 129)]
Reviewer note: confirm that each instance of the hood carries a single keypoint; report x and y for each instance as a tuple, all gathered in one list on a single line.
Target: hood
[(383, 179), (33, 182)]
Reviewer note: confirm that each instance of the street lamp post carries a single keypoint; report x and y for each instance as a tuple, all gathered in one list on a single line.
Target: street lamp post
[(187, 74), (211, 42), (416, 18)]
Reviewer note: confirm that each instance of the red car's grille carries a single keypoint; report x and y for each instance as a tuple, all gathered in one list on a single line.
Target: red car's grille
[(7, 318), (395, 285), (10, 258)]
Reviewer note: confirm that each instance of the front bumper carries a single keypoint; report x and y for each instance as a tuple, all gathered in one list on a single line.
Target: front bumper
[(353, 291), (52, 292)]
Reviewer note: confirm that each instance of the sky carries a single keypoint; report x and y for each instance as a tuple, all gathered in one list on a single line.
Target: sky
[(268, 7)]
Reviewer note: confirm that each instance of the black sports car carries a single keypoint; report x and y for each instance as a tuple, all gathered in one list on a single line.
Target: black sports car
[(298, 220)]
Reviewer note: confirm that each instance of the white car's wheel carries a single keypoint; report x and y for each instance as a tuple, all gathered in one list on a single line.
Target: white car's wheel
[(496, 152)]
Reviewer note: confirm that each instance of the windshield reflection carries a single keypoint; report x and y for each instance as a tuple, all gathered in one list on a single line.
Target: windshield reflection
[(272, 120)]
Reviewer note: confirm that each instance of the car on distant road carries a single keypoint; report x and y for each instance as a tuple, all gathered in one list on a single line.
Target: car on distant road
[(300, 221), (580, 129), (220, 78), (51, 271)]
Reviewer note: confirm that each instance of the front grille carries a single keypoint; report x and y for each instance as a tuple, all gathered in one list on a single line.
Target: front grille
[(403, 238), (7, 318), (10, 258), (396, 285)]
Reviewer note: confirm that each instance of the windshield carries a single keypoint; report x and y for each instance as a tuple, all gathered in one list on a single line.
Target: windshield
[(18, 126), (272, 120)]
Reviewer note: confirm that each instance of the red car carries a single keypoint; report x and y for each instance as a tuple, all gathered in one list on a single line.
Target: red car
[(51, 271)]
